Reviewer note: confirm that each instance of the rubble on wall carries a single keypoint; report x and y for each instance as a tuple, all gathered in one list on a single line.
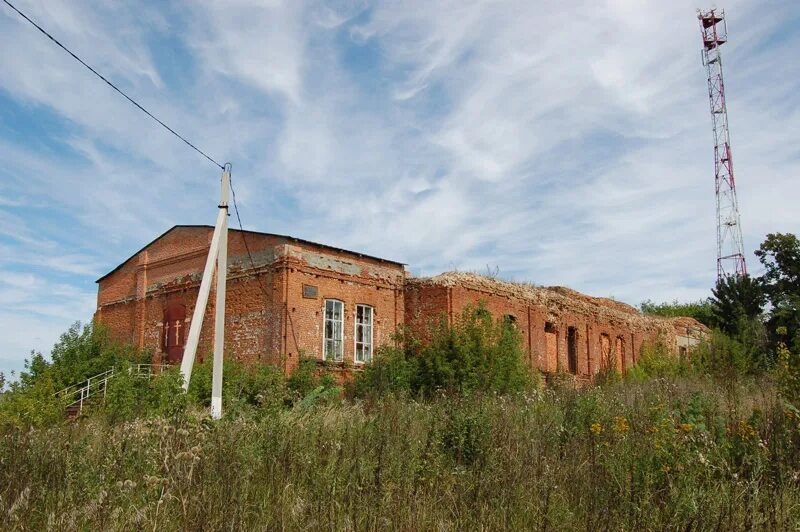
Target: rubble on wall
[(690, 327), (559, 299)]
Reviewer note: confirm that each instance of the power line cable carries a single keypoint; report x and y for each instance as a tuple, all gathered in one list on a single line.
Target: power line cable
[(244, 240), (96, 73), (267, 295), (165, 126), (175, 133)]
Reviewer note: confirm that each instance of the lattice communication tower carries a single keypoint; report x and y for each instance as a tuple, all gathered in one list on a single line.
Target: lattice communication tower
[(730, 246)]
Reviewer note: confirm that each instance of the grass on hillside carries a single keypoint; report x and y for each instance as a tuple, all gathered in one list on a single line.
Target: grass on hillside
[(455, 433), (681, 453)]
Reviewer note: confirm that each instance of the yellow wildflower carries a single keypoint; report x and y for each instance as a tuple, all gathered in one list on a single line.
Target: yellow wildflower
[(596, 428), (686, 427), (745, 430), (620, 425)]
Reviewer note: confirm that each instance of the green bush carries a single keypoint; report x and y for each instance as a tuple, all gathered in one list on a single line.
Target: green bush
[(34, 404), (124, 395), (165, 395), (84, 351), (475, 353), (244, 385), (722, 356), (130, 396), (304, 378), (390, 372), (656, 360), (788, 378)]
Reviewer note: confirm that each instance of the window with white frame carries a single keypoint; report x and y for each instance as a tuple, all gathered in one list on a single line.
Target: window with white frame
[(363, 333), (333, 348)]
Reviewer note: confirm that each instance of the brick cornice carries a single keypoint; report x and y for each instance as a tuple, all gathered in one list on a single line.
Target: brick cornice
[(172, 259)]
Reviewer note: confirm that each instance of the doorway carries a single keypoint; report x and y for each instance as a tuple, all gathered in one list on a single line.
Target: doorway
[(174, 334)]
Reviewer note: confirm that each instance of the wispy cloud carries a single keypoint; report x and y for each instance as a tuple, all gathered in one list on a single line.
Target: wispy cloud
[(566, 143)]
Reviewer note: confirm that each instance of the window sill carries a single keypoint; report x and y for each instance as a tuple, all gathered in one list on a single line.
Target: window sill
[(340, 365)]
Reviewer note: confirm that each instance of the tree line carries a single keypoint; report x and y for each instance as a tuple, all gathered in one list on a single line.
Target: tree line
[(760, 314)]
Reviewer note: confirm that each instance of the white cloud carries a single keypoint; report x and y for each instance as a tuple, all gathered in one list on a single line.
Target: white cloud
[(567, 143), (258, 42)]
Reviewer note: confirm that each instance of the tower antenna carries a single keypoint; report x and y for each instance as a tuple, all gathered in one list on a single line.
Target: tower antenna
[(730, 245)]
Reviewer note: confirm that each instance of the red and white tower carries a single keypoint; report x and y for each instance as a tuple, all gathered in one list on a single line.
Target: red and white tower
[(730, 246)]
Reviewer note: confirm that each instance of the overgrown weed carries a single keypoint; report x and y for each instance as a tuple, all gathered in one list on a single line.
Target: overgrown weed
[(665, 453)]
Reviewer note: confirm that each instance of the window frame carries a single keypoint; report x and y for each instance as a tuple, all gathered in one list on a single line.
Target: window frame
[(371, 343), (325, 320)]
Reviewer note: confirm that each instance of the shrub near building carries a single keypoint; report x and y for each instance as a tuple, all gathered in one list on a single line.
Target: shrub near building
[(475, 353)]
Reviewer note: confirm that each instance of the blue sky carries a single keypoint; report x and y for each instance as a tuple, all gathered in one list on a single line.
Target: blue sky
[(565, 143)]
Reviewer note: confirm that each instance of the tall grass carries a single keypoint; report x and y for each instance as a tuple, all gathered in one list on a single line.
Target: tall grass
[(451, 434), (667, 453)]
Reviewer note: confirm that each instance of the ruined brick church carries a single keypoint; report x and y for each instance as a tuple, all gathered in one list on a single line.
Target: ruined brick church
[(299, 298)]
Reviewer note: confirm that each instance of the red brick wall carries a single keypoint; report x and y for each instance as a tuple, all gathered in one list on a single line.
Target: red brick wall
[(425, 305), (550, 351), (547, 351), (119, 318), (305, 326), (267, 317)]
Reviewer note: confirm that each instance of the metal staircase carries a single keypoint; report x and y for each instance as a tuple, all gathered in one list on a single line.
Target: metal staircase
[(96, 386)]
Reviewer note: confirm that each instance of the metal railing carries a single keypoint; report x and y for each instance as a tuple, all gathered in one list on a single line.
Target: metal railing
[(77, 394)]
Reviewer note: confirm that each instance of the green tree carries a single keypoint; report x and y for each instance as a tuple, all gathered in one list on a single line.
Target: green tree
[(725, 357), (83, 351), (699, 310), (36, 368), (736, 302), (35, 404), (780, 255)]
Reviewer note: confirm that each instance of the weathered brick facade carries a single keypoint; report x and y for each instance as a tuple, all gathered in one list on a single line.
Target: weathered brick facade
[(275, 311), (563, 330)]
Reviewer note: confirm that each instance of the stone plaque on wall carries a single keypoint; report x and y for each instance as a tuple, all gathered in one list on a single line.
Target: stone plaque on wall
[(309, 291)]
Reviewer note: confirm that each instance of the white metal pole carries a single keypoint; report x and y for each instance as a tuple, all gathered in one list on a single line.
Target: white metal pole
[(219, 317), (190, 350)]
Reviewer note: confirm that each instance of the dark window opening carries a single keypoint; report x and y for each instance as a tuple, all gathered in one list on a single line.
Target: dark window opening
[(510, 319), (572, 349)]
